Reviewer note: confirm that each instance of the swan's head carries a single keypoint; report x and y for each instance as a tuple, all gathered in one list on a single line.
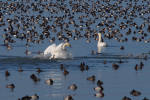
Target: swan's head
[(67, 44), (99, 33)]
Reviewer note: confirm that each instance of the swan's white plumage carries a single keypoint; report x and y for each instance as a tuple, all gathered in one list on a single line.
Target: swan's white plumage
[(49, 49), (59, 47), (101, 44), (59, 51)]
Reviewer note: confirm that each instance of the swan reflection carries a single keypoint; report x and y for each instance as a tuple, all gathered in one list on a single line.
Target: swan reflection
[(99, 49)]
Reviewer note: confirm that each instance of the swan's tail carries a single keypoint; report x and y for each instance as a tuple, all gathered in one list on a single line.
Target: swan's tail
[(105, 45)]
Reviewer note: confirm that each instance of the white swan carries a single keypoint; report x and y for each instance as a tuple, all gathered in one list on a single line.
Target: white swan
[(59, 51), (102, 44)]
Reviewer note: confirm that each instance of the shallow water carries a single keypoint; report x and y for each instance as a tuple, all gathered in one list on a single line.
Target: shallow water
[(117, 83)]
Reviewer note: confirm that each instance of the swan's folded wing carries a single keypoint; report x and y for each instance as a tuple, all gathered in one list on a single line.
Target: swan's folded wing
[(50, 49), (102, 44)]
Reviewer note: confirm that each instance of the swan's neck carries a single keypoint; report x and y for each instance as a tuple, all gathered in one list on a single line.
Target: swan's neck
[(64, 46), (99, 39)]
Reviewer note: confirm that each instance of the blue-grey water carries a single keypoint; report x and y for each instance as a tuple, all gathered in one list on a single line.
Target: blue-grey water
[(117, 83)]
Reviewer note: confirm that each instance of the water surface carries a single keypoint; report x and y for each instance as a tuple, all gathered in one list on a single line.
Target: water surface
[(117, 83)]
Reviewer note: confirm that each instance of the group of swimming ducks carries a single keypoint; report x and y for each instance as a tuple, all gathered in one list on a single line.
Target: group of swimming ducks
[(82, 67), (50, 82)]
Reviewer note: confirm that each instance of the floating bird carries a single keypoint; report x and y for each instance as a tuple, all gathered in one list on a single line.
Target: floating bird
[(73, 87), (27, 52), (87, 67), (122, 48), (27, 45), (100, 94), (10, 86), (99, 88), (126, 98), (82, 68), (137, 67), (40, 53), (99, 82), (120, 61), (20, 70), (8, 47), (39, 70), (145, 57), (91, 78), (104, 61), (100, 43), (68, 98), (93, 52), (26, 98), (141, 64), (88, 41), (58, 51), (135, 93), (49, 81), (7, 73), (115, 66), (36, 79), (65, 72), (145, 99), (61, 67), (35, 97), (32, 76)]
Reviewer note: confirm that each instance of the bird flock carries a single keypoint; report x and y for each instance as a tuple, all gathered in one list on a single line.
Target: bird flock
[(72, 19), (44, 21), (50, 81), (99, 88)]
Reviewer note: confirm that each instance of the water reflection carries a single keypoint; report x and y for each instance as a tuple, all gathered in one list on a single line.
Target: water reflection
[(99, 49), (11, 90)]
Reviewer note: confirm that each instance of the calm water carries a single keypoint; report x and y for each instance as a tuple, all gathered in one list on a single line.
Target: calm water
[(117, 83)]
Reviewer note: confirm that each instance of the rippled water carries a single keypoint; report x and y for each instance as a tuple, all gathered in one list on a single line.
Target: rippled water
[(117, 83)]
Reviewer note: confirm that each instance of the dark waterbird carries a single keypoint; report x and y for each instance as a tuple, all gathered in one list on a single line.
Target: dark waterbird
[(135, 93), (99, 82), (7, 73), (126, 98), (92, 78), (49, 81)]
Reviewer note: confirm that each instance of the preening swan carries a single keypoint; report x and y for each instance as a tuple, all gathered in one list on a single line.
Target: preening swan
[(59, 51), (103, 44)]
